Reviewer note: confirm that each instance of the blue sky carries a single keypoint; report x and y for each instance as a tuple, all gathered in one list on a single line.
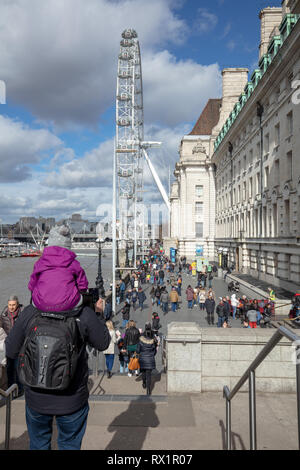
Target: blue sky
[(59, 63)]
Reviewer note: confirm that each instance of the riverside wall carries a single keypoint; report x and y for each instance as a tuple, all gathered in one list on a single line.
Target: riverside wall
[(206, 359)]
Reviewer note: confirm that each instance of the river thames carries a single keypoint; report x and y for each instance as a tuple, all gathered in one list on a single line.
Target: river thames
[(15, 274)]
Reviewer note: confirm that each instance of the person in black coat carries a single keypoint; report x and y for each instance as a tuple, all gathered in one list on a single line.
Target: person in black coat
[(70, 404), (210, 310), (146, 349), (125, 315)]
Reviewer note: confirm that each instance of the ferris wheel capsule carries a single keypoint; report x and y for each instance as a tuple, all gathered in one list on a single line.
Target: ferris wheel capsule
[(129, 34), (126, 43), (125, 55)]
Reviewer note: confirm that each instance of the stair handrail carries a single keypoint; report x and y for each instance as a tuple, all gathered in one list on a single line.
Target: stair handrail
[(250, 375), (7, 394)]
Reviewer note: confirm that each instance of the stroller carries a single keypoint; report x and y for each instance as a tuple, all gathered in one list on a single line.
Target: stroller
[(234, 286)]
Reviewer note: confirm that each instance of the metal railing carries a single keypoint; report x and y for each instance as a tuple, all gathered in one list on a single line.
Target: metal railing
[(250, 375), (7, 394)]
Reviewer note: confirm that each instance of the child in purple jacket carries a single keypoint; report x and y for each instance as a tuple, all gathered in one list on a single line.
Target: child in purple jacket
[(57, 279)]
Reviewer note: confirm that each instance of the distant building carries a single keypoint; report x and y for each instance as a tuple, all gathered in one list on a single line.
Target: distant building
[(26, 224)]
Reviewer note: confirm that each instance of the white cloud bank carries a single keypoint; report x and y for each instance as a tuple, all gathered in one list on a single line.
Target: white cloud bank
[(59, 61)]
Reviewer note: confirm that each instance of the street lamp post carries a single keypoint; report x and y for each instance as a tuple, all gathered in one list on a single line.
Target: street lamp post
[(126, 252), (99, 279), (118, 260)]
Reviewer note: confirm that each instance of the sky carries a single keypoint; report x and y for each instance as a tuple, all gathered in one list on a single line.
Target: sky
[(58, 60)]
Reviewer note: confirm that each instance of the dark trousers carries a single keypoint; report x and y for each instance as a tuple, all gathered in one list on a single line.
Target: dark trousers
[(71, 429), (210, 318), (12, 376), (146, 376)]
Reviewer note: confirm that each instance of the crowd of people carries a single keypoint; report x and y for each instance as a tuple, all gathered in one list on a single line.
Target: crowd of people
[(29, 336)]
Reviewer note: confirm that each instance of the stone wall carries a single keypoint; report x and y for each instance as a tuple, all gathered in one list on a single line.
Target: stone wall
[(212, 358)]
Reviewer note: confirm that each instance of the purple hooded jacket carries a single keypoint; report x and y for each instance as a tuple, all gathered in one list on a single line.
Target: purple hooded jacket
[(56, 280)]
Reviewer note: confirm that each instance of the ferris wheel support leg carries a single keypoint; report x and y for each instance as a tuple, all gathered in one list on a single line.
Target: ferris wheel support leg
[(157, 181), (114, 236)]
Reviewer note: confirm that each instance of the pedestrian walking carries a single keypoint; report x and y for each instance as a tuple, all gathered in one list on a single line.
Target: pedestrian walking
[(267, 316), (210, 279), (155, 323), (174, 299), (210, 310), (202, 299), (157, 295), (164, 297), (8, 318), (141, 297), (118, 294), (161, 276), (146, 350), (131, 340), (252, 316), (122, 290), (179, 284), (234, 304), (123, 356), (109, 353), (43, 402), (190, 296), (221, 312), (125, 315), (134, 298)]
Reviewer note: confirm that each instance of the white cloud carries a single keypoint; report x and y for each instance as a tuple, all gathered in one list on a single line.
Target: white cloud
[(231, 45), (176, 91), (205, 21), (20, 147), (59, 59)]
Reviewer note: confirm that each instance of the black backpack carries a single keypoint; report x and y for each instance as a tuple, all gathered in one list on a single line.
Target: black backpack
[(49, 355)]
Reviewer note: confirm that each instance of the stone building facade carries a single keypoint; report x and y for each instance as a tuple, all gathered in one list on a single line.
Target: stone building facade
[(192, 198), (248, 163), (256, 153)]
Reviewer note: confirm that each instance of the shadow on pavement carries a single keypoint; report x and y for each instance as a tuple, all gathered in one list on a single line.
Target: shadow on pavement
[(130, 427), (234, 436), (19, 443)]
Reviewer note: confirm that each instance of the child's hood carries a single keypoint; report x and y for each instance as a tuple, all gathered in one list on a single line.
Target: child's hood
[(57, 256)]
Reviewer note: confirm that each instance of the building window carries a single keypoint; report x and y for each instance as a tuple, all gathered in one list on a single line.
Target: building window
[(275, 227), (266, 181), (250, 187), (289, 165), (258, 150), (199, 229), (276, 173), (251, 157), (267, 143), (244, 191), (199, 191), (257, 183), (199, 208), (277, 135), (287, 217), (289, 123)]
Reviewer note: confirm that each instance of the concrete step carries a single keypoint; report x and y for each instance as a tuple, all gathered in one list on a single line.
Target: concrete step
[(122, 385), (181, 422)]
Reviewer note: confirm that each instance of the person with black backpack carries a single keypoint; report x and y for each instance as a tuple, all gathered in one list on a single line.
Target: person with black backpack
[(53, 367)]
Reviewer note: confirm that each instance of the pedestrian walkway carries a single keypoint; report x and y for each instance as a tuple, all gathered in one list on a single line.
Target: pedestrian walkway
[(280, 292), (180, 422)]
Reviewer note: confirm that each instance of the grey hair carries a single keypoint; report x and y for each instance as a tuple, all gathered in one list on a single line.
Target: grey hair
[(13, 298)]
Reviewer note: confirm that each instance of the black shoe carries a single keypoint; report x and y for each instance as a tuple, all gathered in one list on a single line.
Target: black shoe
[(144, 385), (148, 391)]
